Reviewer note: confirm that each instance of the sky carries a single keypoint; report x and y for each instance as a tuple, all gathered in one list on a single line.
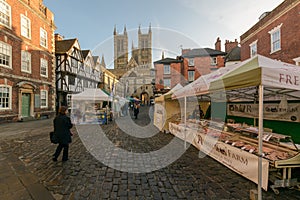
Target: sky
[(176, 24)]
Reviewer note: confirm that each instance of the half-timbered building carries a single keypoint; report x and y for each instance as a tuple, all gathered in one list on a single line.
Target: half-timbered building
[(92, 72), (75, 70)]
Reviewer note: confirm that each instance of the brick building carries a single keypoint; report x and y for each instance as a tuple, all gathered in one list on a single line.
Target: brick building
[(168, 73), (276, 34), (192, 64), (198, 62), (27, 73), (233, 51)]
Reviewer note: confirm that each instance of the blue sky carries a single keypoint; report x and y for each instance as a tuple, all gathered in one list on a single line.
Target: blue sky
[(176, 24)]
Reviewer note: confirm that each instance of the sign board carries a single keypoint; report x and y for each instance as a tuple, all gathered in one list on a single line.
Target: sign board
[(159, 116), (272, 111)]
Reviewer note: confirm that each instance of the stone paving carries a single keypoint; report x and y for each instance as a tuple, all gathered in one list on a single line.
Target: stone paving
[(84, 177)]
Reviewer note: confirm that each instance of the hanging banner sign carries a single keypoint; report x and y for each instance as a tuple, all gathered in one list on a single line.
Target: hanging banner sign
[(159, 120), (271, 111), (238, 160)]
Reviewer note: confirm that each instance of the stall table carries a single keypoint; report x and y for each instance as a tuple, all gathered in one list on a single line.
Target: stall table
[(239, 151)]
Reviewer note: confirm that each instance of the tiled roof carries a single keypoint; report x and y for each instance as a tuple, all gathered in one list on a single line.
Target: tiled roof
[(167, 61), (233, 55), (63, 46), (203, 52)]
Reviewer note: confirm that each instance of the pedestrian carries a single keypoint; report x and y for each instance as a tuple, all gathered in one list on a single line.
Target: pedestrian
[(62, 125), (136, 109)]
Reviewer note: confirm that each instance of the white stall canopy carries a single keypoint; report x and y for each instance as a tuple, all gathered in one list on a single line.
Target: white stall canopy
[(277, 77), (201, 85), (92, 94)]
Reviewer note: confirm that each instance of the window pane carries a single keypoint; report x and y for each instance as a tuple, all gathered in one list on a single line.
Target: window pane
[(44, 67), (191, 62), (167, 83), (43, 38), (26, 61), (4, 97), (166, 69), (5, 13), (253, 49), (44, 98), (25, 26), (191, 76), (5, 54), (275, 37)]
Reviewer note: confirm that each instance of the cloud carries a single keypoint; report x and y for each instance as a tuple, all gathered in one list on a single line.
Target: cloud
[(236, 16)]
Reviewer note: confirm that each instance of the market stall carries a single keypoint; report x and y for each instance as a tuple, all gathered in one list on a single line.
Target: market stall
[(166, 109), (258, 79), (91, 106), (119, 106)]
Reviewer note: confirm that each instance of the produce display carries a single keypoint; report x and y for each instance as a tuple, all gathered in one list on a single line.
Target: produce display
[(272, 149), (236, 146)]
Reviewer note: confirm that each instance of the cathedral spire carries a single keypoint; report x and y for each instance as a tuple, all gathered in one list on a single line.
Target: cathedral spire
[(149, 31), (115, 30), (132, 45), (139, 32), (125, 31), (102, 61)]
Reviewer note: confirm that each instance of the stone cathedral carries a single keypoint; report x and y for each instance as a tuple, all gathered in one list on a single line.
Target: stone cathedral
[(136, 73)]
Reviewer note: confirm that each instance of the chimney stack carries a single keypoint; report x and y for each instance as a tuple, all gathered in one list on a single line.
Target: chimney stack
[(218, 44), (58, 37), (163, 55), (230, 45)]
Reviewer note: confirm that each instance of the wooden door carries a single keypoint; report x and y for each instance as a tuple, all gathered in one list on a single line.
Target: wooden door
[(25, 105)]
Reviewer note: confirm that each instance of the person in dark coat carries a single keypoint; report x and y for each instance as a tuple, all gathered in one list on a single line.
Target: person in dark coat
[(62, 125), (136, 109)]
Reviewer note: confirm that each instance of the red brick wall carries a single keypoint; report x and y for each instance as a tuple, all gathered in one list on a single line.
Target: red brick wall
[(38, 20), (202, 66), (229, 45), (175, 76), (290, 34)]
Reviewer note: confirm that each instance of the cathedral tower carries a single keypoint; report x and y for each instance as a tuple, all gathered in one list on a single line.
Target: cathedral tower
[(120, 49), (142, 55), (145, 47)]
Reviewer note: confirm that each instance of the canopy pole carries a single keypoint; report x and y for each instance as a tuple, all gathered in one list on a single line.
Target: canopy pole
[(260, 141), (185, 122)]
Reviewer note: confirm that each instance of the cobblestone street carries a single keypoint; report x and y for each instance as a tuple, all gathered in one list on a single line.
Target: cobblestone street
[(84, 177)]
